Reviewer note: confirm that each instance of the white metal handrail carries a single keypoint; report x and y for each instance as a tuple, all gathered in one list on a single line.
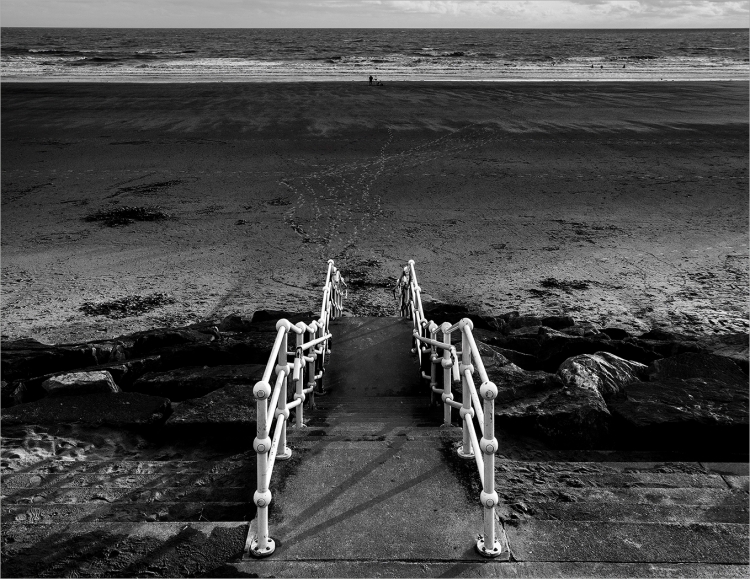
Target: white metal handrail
[(271, 402), (482, 451)]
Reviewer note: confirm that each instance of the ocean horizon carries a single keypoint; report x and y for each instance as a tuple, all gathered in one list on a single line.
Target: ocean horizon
[(388, 55)]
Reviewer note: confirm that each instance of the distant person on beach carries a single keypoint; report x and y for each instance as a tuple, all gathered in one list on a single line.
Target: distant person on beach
[(370, 80), (402, 288)]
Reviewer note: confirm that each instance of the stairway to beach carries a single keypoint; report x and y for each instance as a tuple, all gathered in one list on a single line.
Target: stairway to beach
[(374, 487)]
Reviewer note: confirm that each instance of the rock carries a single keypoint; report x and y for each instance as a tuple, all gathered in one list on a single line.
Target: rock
[(27, 357), (107, 409), (603, 372), (616, 333), (440, 312), (250, 348), (584, 329), (526, 344), (514, 383), (666, 348), (108, 352), (558, 348), (228, 410), (568, 417), (558, 322), (11, 392), (688, 415), (697, 367), (129, 371), (123, 374), (515, 320), (732, 346), (80, 383), (525, 361), (275, 315), (236, 323), (195, 381), (525, 331), (491, 356), (160, 338)]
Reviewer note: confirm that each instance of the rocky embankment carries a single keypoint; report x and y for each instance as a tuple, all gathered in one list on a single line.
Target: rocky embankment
[(569, 382)]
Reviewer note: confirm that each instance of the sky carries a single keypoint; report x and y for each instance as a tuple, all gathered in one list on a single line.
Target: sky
[(378, 13)]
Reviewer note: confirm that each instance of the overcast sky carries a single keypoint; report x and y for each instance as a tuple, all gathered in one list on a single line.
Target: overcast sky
[(378, 13)]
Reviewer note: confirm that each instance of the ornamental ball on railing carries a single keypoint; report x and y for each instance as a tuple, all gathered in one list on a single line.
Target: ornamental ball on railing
[(488, 391), (262, 390)]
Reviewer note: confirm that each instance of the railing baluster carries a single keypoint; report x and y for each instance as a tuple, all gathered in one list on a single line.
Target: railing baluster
[(446, 363), (465, 450), (483, 451), (267, 449)]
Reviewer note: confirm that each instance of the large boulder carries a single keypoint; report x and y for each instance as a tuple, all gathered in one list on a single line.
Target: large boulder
[(228, 410), (28, 357), (537, 401), (161, 338), (196, 381), (736, 347), (247, 348), (440, 312), (603, 372), (273, 316), (697, 366), (558, 322), (691, 402), (80, 383), (124, 409), (123, 373), (558, 347), (236, 323)]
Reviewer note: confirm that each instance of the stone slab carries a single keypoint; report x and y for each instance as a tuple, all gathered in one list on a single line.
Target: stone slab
[(717, 543), (123, 409)]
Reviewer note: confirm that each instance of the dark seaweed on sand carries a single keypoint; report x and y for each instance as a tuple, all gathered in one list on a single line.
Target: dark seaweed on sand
[(127, 306), (574, 284), (126, 215)]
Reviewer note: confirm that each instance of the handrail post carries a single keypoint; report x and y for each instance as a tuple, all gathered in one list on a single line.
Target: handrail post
[(488, 545), (465, 450), (299, 394), (262, 544), (433, 366), (282, 361), (311, 369), (446, 363)]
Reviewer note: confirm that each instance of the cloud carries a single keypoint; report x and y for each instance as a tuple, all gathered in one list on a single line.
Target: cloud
[(379, 13)]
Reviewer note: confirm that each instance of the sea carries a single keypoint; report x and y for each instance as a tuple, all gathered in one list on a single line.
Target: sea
[(388, 55)]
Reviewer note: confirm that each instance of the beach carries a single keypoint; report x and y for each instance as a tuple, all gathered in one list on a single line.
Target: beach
[(624, 204)]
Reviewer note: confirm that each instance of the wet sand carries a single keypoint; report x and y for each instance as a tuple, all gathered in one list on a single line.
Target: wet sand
[(621, 203)]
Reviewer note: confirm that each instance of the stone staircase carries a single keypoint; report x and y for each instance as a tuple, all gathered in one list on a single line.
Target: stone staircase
[(374, 487)]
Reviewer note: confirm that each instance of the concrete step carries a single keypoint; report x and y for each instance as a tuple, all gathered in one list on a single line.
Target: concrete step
[(129, 512), (106, 549), (634, 513), (104, 495), (391, 568), (112, 480)]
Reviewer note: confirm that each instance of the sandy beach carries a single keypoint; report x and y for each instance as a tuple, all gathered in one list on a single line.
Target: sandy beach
[(620, 203)]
